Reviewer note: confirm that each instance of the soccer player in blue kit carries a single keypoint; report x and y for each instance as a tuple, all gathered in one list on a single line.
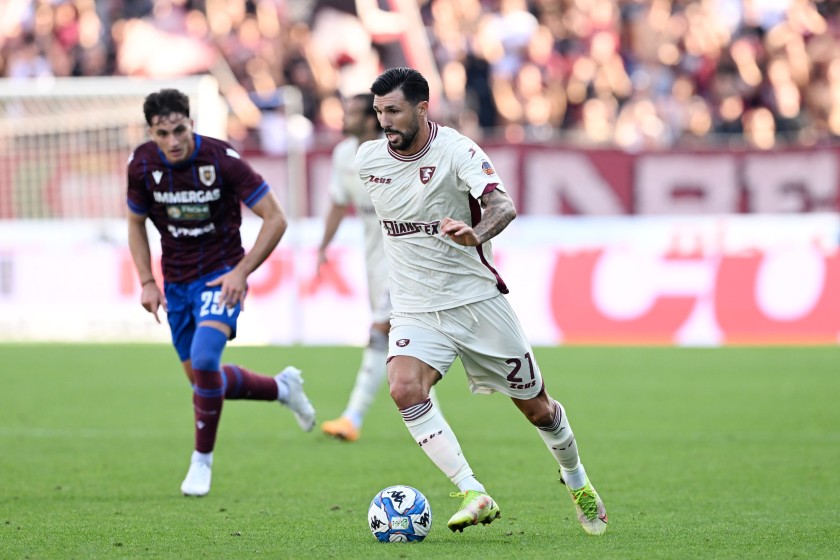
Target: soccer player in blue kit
[(191, 187)]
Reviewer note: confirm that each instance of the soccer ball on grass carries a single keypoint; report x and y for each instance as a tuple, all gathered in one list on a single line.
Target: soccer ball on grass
[(400, 514)]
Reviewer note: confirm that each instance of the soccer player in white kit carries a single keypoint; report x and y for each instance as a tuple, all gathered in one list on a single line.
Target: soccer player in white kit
[(440, 202), (345, 190)]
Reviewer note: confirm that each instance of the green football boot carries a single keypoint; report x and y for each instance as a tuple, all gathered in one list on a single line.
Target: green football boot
[(590, 509), (476, 507)]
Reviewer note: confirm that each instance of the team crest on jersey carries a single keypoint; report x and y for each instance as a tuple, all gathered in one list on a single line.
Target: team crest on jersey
[(426, 174), (403, 342), (488, 169), (207, 174)]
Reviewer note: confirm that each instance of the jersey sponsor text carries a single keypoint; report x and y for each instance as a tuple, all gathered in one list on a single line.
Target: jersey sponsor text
[(396, 229), (175, 231), (187, 197)]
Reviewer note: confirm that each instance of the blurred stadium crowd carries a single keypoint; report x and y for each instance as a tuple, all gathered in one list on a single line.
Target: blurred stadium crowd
[(635, 74)]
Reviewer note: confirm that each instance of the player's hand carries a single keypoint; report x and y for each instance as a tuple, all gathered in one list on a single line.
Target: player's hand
[(234, 288), (459, 232), (153, 299)]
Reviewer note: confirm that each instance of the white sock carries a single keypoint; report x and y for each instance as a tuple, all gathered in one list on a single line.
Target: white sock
[(204, 458), (368, 381), (560, 440), (575, 479), (429, 429), (435, 402), (471, 483)]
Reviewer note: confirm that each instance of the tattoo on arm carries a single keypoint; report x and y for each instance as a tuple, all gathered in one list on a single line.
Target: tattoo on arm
[(498, 213)]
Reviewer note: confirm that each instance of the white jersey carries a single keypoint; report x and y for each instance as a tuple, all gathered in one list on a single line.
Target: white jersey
[(411, 194), (347, 189)]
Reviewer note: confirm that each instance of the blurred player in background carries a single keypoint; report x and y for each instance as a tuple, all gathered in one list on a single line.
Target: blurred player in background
[(191, 187), (360, 125), (346, 189), (440, 202)]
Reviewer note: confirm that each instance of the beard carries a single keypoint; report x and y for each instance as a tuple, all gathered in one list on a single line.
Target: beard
[(405, 138)]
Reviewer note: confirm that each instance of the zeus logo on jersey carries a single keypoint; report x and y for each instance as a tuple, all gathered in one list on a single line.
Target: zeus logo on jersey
[(397, 229), (187, 197), (523, 385), (380, 180)]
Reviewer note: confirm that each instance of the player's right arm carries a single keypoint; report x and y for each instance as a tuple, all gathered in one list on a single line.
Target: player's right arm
[(333, 220), (339, 199), (139, 201), (151, 297)]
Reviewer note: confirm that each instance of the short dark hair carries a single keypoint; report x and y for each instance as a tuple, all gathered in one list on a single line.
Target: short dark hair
[(414, 86), (165, 102), (367, 101)]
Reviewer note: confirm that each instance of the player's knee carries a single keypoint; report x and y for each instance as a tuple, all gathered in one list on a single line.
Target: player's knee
[(539, 411), (403, 395), (539, 417), (207, 347), (405, 392), (409, 380)]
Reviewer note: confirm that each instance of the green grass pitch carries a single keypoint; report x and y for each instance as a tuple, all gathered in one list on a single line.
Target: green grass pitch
[(698, 453)]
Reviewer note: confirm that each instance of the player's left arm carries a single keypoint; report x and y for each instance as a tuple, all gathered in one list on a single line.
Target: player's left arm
[(475, 170), (499, 211), (234, 283)]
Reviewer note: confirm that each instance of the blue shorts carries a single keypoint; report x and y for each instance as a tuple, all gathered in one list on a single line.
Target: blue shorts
[(191, 303)]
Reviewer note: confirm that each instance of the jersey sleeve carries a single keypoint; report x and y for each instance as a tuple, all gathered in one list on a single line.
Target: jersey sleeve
[(249, 185), (476, 170), (338, 192), (138, 197), (362, 156)]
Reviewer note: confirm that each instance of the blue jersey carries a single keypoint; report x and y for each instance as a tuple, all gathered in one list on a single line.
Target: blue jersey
[(194, 204)]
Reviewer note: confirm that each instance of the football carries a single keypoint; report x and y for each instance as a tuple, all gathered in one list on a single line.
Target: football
[(400, 514)]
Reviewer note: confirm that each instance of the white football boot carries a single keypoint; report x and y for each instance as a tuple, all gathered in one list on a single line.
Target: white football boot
[(297, 399), (197, 481)]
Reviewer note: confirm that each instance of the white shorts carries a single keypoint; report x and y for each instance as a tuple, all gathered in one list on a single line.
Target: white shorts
[(486, 335)]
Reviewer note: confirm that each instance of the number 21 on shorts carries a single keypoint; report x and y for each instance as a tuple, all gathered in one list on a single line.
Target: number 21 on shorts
[(516, 381)]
